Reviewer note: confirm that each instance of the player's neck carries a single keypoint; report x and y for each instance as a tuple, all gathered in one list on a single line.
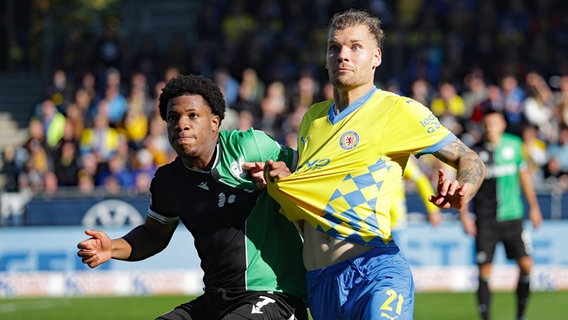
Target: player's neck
[(345, 97)]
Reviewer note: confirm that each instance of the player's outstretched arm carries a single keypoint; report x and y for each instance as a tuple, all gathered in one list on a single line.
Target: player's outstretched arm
[(470, 175), (142, 242)]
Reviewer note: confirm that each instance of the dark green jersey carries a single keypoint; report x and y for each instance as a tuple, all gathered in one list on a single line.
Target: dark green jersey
[(242, 240), (500, 194)]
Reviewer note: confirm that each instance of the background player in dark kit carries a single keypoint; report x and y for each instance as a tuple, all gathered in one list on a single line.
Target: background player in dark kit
[(499, 209)]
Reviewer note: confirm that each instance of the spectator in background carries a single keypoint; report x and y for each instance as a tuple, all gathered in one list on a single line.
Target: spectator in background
[(115, 104), (449, 107), (90, 169), (88, 83), (230, 88), (157, 141), (86, 183), (513, 97), (535, 152), (494, 101), (116, 173), (251, 92), (75, 120), (66, 164), (39, 159), (66, 158), (555, 176), (559, 149), (101, 139), (10, 169), (561, 100), (475, 92), (228, 84), (60, 90), (140, 105), (499, 210), (273, 108), (305, 92), (421, 91), (53, 122), (538, 107), (143, 169)]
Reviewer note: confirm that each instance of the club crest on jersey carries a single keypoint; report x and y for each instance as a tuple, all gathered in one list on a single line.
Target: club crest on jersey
[(349, 140), (236, 168)]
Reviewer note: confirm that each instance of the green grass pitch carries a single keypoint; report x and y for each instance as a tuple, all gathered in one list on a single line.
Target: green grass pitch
[(434, 306)]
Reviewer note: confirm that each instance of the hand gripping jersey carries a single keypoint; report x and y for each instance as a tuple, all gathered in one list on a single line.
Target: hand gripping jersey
[(242, 240), (350, 164), (499, 196)]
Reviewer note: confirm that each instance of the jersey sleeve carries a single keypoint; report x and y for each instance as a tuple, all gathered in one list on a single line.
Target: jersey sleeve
[(422, 131), (162, 201)]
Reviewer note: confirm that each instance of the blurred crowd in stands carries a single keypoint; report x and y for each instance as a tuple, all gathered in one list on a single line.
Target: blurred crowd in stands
[(98, 125)]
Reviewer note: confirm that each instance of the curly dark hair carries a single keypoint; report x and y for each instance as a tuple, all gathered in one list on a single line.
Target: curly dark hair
[(193, 85)]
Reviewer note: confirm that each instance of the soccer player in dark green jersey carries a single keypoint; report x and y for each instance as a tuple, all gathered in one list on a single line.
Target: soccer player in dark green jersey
[(250, 254), (499, 210)]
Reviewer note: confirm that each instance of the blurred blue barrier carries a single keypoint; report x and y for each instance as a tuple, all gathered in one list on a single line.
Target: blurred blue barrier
[(24, 210)]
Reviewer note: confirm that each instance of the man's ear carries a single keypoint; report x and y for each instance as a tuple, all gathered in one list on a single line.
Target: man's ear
[(215, 122), (377, 58)]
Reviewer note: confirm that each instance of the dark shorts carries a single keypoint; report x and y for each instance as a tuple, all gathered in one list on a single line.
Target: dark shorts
[(238, 305), (510, 233)]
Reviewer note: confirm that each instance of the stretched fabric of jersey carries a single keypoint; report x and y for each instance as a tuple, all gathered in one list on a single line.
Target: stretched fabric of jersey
[(242, 240), (350, 164)]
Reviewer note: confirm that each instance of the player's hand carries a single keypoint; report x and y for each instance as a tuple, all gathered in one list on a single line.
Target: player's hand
[(95, 250), (257, 173), (469, 226), (449, 193), (435, 218), (276, 170), (536, 217)]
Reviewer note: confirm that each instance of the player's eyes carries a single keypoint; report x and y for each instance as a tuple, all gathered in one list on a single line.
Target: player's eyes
[(171, 118), (333, 49)]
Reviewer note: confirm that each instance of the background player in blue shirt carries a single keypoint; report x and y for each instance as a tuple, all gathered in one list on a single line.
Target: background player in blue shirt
[(250, 254)]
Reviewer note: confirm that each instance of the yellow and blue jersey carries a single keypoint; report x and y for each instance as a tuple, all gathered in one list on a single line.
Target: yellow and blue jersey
[(351, 163)]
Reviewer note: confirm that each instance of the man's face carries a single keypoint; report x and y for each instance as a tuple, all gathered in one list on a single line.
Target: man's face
[(352, 57), (494, 125), (192, 127)]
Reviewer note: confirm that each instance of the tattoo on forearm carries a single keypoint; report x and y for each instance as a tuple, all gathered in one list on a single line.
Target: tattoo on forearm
[(468, 164)]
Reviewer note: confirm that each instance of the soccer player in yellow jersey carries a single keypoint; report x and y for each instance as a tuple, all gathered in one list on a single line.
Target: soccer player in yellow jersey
[(352, 153), (412, 173)]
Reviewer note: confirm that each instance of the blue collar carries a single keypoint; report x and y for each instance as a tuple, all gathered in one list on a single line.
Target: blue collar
[(335, 118)]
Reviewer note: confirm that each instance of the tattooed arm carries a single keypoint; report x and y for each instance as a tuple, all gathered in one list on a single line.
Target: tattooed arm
[(470, 175)]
